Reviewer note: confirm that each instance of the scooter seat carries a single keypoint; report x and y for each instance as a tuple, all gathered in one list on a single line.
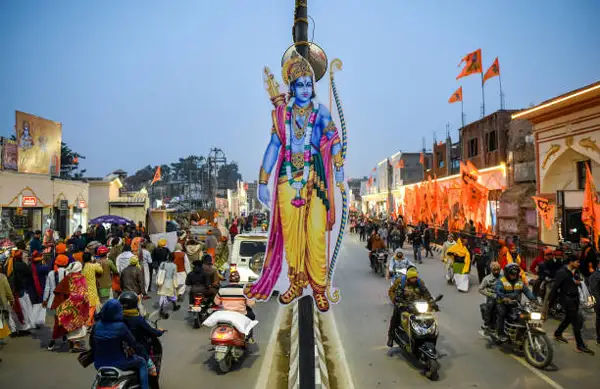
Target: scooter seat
[(114, 372)]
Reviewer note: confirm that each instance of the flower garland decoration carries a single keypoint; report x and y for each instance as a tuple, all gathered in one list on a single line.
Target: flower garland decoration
[(298, 201)]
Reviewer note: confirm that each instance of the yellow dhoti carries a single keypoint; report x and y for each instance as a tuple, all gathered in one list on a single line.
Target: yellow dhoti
[(304, 235)]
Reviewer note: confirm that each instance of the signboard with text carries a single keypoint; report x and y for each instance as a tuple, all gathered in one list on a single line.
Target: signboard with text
[(29, 201)]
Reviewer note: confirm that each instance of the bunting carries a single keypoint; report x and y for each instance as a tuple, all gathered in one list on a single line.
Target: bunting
[(545, 210), (472, 64)]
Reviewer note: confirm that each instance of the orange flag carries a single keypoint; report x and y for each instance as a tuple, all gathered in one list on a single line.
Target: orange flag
[(472, 64), (493, 71), (456, 96), (545, 210), (590, 215), (400, 164), (422, 159), (156, 176)]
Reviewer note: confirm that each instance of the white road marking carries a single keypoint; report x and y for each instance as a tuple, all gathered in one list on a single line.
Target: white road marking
[(267, 363), (338, 345), (538, 373)]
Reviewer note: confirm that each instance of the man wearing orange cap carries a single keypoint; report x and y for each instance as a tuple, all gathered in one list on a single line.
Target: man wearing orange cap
[(588, 259)]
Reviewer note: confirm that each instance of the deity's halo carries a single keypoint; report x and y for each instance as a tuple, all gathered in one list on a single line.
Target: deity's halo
[(316, 58)]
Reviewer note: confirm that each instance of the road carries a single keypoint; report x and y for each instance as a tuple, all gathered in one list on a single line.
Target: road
[(186, 361), (362, 318)]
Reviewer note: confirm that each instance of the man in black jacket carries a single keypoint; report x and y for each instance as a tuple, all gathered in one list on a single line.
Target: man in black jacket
[(595, 291), (588, 259), (566, 287)]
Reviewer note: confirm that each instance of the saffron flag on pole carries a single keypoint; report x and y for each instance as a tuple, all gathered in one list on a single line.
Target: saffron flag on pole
[(156, 176), (493, 71), (590, 214), (456, 96), (422, 159), (546, 210), (400, 164), (472, 64)]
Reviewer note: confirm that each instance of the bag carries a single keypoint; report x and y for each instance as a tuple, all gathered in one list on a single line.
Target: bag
[(160, 276), (38, 315), (86, 358)]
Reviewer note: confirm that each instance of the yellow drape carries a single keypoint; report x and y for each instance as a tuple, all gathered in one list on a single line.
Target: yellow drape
[(304, 236), (460, 250)]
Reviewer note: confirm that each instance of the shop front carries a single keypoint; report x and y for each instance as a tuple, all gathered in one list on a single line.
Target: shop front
[(567, 140), (31, 202)]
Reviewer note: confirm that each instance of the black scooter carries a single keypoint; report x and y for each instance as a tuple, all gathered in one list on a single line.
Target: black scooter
[(422, 337), (113, 378)]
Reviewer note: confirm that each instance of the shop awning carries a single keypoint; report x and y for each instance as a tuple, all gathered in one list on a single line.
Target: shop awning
[(111, 219)]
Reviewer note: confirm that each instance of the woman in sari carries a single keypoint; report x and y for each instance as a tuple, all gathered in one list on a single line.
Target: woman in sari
[(72, 307), (54, 278)]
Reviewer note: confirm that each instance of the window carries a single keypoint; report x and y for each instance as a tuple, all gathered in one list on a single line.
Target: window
[(440, 160), (492, 140), (581, 173), (455, 165), (473, 148), (251, 248)]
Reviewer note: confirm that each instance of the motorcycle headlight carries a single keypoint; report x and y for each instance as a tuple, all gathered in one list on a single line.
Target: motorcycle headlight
[(536, 316), (422, 307)]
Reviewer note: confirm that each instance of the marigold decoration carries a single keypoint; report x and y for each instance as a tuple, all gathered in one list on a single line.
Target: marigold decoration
[(472, 64), (545, 210)]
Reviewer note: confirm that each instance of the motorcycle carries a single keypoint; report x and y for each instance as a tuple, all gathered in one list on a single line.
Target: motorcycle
[(523, 328), (113, 378), (202, 308), (379, 262), (230, 344), (422, 337)]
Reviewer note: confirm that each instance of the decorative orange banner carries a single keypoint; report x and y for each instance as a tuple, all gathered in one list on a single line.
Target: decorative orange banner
[(400, 164), (157, 176), (493, 71), (456, 96), (545, 209), (472, 64)]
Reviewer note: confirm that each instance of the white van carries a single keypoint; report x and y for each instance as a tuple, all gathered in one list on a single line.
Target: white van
[(248, 255)]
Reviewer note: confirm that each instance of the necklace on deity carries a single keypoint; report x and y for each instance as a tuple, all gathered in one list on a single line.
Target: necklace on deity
[(299, 131), (303, 110), (309, 123)]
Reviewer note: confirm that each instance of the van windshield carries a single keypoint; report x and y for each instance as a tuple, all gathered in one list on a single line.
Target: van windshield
[(250, 249)]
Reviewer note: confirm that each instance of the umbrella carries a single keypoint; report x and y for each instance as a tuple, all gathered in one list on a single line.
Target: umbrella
[(6, 244), (110, 219)]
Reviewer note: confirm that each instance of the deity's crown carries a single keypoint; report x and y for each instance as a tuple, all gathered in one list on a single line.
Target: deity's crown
[(296, 67)]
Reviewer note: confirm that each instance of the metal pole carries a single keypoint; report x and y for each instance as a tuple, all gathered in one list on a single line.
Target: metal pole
[(501, 94), (482, 97), (306, 332), (300, 29)]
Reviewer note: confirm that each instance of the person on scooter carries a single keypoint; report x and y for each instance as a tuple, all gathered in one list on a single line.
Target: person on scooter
[(405, 291), (376, 244), (232, 298), (141, 330), (107, 338), (488, 289), (203, 279), (509, 290), (397, 263)]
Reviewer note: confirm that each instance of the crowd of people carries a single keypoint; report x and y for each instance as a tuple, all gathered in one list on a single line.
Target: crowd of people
[(558, 277)]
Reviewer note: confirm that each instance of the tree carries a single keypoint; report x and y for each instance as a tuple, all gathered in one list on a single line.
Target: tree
[(142, 177), (228, 176), (69, 163)]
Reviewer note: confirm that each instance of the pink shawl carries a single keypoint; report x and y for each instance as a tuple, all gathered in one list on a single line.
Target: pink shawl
[(263, 288)]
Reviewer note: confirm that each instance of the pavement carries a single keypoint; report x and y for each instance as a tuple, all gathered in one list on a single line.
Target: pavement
[(362, 319), (187, 359)]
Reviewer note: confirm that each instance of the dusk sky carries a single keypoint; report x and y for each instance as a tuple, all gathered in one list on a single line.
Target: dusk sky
[(145, 82)]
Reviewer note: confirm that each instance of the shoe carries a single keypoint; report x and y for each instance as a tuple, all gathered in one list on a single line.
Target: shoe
[(390, 342), (250, 341), (585, 350), (598, 342), (561, 339), (51, 345), (176, 308)]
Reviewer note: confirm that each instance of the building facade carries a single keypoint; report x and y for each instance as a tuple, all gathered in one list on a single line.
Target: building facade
[(566, 133)]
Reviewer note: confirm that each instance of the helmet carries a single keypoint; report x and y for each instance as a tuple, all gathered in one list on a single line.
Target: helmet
[(129, 300), (234, 276), (102, 251), (512, 269)]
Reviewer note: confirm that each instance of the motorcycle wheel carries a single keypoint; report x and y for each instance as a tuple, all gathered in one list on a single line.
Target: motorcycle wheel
[(530, 354), (197, 320), (432, 370), (225, 364)]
